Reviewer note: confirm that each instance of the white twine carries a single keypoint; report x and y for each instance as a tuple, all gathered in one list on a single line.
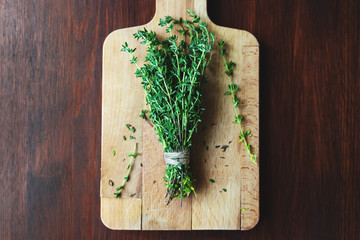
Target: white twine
[(175, 158)]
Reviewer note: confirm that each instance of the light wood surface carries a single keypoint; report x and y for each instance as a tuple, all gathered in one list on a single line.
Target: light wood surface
[(124, 214), (123, 100), (155, 214)]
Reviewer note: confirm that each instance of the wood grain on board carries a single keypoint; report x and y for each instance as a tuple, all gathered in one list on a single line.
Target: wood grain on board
[(236, 207)]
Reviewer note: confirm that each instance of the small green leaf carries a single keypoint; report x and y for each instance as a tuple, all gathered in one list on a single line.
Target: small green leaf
[(143, 112), (223, 52), (211, 180), (224, 189), (239, 117), (133, 60), (113, 152), (134, 155), (130, 127), (236, 102), (234, 87)]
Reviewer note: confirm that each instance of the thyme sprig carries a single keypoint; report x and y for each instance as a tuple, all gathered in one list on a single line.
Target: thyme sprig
[(173, 79), (127, 176), (232, 89)]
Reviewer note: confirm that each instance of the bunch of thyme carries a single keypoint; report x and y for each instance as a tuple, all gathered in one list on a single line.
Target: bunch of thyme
[(232, 89), (173, 79)]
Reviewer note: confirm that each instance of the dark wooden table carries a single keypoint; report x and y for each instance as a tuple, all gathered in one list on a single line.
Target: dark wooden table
[(50, 116)]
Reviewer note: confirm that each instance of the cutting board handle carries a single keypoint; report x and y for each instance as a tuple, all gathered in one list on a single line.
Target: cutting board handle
[(177, 8)]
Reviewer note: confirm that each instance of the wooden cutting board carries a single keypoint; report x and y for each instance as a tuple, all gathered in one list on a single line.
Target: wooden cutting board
[(142, 204)]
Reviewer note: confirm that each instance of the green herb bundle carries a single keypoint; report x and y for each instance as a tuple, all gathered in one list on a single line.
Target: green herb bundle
[(173, 79)]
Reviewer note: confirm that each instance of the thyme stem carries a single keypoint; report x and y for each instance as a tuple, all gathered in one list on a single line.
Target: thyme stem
[(232, 88), (126, 178)]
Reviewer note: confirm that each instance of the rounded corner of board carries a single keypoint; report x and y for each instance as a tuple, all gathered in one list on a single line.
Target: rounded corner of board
[(109, 36), (252, 39), (248, 228), (106, 224), (104, 221), (111, 210)]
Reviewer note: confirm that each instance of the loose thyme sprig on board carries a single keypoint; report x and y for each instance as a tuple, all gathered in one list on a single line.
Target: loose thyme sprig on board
[(127, 176), (173, 79), (232, 89)]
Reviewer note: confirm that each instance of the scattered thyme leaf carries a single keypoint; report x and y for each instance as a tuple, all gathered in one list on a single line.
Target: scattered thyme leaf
[(224, 189), (224, 147), (113, 152), (130, 128), (111, 183), (211, 180)]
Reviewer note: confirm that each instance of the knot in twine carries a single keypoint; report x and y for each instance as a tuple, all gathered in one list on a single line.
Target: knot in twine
[(175, 158)]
